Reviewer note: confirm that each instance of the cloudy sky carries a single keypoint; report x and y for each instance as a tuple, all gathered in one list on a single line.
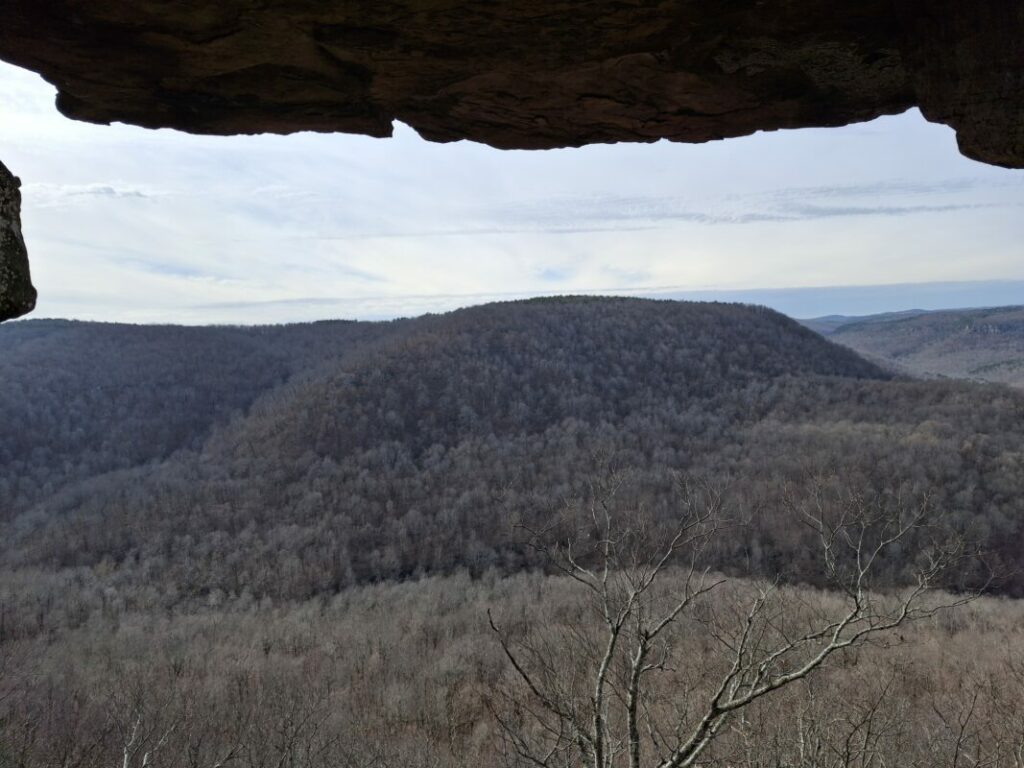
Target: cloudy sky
[(156, 226)]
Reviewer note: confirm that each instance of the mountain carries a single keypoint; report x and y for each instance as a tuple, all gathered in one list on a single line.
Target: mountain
[(172, 464), (975, 344)]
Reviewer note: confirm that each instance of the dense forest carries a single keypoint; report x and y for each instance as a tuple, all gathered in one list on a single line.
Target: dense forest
[(174, 464), (322, 545), (78, 400)]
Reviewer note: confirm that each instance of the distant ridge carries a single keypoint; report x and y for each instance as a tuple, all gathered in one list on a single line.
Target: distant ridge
[(829, 324), (984, 344)]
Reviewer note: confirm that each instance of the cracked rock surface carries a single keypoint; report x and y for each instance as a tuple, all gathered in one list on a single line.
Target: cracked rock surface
[(17, 296), (531, 73)]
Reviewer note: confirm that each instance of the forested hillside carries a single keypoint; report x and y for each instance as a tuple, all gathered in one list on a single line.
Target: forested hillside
[(975, 344), (81, 399), (174, 464)]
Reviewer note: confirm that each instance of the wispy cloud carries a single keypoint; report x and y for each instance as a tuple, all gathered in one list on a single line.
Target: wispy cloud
[(48, 195), (172, 269), (798, 204), (595, 214), (808, 212), (893, 188)]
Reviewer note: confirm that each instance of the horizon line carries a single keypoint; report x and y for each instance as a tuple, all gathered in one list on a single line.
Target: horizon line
[(671, 293)]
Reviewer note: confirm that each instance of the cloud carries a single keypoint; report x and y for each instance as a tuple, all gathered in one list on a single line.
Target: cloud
[(807, 212), (49, 195), (891, 188), (781, 206), (170, 269), (595, 214), (483, 231)]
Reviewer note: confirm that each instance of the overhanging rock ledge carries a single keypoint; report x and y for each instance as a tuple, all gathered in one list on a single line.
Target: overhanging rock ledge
[(531, 73)]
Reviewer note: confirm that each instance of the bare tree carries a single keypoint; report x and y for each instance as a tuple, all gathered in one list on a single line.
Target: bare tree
[(617, 692)]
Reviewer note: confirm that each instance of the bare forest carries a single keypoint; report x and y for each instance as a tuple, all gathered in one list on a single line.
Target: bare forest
[(583, 533)]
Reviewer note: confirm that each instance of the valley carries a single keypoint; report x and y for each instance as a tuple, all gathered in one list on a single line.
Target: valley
[(972, 344)]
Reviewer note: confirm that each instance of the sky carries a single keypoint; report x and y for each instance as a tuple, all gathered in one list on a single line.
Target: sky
[(132, 225)]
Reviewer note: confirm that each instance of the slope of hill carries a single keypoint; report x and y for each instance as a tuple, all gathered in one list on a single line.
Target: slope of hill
[(976, 344), (418, 446), (81, 399)]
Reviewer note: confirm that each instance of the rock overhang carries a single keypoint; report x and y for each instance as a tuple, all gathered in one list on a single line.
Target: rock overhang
[(531, 73)]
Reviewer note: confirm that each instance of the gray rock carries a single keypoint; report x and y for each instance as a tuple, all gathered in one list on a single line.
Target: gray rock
[(17, 294)]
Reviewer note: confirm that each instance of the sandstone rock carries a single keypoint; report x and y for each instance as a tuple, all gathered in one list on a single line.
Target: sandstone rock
[(17, 296), (531, 73)]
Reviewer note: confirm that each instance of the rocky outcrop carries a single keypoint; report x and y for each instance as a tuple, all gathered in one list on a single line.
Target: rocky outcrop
[(17, 296), (531, 73), (966, 61)]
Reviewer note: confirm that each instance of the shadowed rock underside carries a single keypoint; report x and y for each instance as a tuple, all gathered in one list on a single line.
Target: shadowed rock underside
[(531, 73)]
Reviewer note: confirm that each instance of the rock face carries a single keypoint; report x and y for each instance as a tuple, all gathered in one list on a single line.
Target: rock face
[(531, 73), (17, 296)]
